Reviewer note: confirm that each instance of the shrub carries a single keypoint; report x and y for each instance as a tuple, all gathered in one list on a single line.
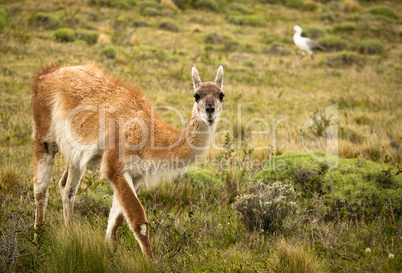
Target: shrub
[(266, 206), (169, 5), (3, 19), (169, 26), (151, 12), (383, 10), (328, 16), (269, 38), (246, 20), (89, 36), (293, 258), (110, 52), (310, 5), (239, 8), (345, 27), (123, 4), (277, 49), (333, 43), (211, 5), (344, 58), (203, 178), (213, 38), (351, 6), (370, 47), (47, 20), (232, 45), (64, 35), (295, 4), (150, 8), (313, 32), (140, 23)]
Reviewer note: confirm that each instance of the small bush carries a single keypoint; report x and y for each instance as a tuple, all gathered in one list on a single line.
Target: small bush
[(327, 16), (213, 38), (269, 38), (277, 49), (123, 4), (295, 4), (239, 8), (310, 5), (334, 43), (110, 52), (211, 5), (140, 23), (293, 258), (346, 27), (3, 19), (169, 26), (351, 6), (246, 20), (89, 36), (232, 45), (169, 5), (313, 32), (266, 207), (150, 8), (46, 20), (370, 47), (64, 35), (383, 10), (344, 58)]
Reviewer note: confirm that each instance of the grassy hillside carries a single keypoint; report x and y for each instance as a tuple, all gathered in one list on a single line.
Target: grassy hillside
[(319, 218)]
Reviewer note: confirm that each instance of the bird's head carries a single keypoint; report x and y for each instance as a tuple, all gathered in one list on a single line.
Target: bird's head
[(297, 29)]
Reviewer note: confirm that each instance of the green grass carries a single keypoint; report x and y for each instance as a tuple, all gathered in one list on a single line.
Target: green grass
[(194, 224)]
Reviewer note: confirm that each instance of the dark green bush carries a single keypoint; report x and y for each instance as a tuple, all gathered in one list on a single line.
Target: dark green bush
[(246, 20), (345, 27), (89, 36), (313, 32), (140, 23), (213, 38), (334, 43), (46, 20), (295, 4), (110, 52), (169, 26), (150, 8), (3, 19), (211, 5), (383, 10), (343, 58), (64, 35), (151, 12), (123, 4), (370, 47), (239, 8)]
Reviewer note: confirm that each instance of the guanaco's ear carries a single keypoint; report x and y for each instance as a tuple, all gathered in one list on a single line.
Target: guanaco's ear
[(196, 78), (219, 77)]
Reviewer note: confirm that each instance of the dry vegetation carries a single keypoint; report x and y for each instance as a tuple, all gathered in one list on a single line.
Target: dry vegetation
[(195, 226)]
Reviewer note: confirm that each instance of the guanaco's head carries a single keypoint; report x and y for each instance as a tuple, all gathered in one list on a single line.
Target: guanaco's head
[(208, 96)]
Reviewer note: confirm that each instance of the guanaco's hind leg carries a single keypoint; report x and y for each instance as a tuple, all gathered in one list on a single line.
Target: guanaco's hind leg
[(44, 153), (68, 187)]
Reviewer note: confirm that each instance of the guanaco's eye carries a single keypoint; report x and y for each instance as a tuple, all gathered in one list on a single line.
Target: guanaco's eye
[(197, 97), (221, 95)]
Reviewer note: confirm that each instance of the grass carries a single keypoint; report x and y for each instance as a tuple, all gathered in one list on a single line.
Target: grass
[(194, 225)]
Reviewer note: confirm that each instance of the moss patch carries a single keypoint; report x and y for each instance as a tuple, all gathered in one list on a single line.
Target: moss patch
[(370, 47), (334, 43), (356, 188)]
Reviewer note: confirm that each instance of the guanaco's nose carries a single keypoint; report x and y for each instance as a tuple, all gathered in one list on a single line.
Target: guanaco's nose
[(210, 109)]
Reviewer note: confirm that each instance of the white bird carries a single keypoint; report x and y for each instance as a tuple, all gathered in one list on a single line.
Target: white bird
[(305, 44)]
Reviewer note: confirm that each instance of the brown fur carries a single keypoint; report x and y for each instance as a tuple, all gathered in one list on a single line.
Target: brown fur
[(58, 91)]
